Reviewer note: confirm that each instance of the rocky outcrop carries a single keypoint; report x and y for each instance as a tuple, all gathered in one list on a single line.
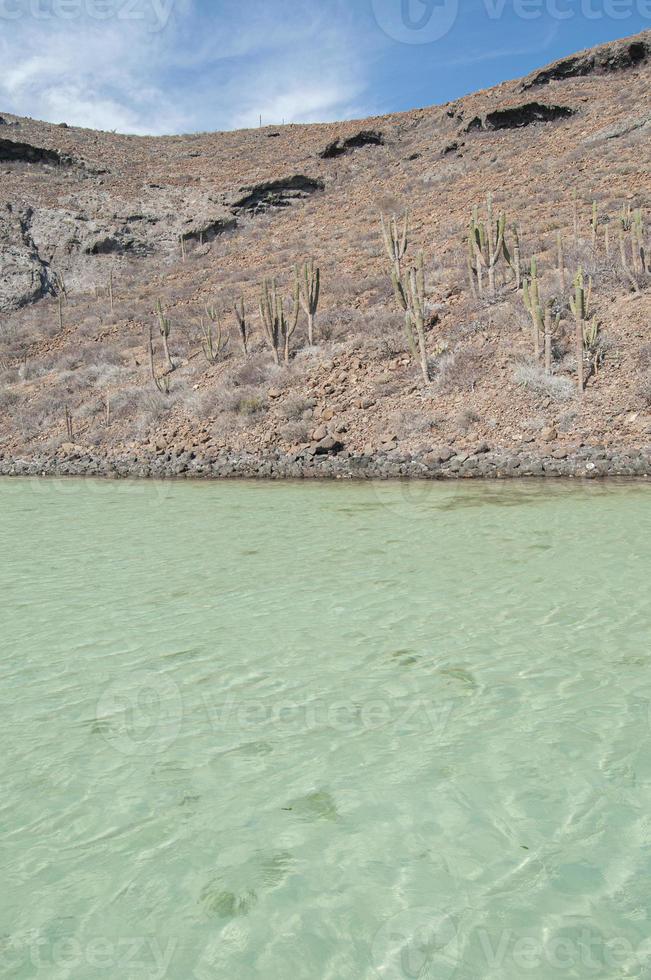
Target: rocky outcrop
[(274, 194), (24, 276), (12, 151), (207, 229), (367, 137), (94, 223), (518, 116), (621, 129), (617, 56)]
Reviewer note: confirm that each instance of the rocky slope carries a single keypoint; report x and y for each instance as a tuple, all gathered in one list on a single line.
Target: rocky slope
[(97, 229)]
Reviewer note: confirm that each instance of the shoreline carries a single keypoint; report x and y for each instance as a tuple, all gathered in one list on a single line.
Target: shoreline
[(585, 463)]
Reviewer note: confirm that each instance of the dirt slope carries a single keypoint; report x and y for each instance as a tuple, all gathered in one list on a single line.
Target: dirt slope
[(200, 220)]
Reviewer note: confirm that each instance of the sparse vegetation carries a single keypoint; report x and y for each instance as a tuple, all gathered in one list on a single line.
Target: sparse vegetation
[(214, 343), (487, 247), (535, 379), (587, 328), (279, 327), (308, 280), (544, 293)]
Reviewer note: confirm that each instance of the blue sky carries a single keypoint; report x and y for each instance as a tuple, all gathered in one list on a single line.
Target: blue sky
[(160, 66)]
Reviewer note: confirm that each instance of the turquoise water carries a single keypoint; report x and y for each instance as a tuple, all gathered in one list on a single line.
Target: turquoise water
[(325, 731)]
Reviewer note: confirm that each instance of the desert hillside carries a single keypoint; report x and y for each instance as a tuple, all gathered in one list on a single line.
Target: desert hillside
[(128, 264)]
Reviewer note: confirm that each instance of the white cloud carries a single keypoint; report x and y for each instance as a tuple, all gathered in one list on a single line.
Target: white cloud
[(283, 60)]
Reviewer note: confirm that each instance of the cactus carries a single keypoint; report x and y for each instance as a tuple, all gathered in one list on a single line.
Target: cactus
[(212, 346), (544, 322), (279, 328), (632, 248), (594, 226), (164, 326), (242, 325), (486, 247), (533, 304), (638, 241), (575, 219), (626, 217), (289, 323), (552, 323), (270, 314), (514, 257), (580, 304), (560, 259), (69, 426), (162, 383), (308, 280), (62, 297), (110, 290), (410, 293), (395, 240)]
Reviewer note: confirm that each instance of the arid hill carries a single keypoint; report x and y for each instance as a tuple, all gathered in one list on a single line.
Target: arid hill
[(108, 239)]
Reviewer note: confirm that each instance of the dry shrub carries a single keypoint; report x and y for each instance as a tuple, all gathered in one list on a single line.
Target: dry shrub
[(295, 432), (254, 371), (293, 407), (247, 401), (460, 371), (465, 419), (644, 391), (533, 378)]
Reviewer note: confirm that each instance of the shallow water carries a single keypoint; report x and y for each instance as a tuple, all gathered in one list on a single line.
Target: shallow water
[(325, 731)]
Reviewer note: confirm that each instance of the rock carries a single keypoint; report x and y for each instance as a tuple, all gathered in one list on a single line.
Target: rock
[(366, 403), (389, 438), (327, 415), (328, 445), (274, 393), (444, 455), (549, 434), (320, 433), (366, 137), (23, 278), (482, 449)]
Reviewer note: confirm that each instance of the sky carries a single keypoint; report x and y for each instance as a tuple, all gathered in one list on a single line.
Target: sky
[(179, 66)]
